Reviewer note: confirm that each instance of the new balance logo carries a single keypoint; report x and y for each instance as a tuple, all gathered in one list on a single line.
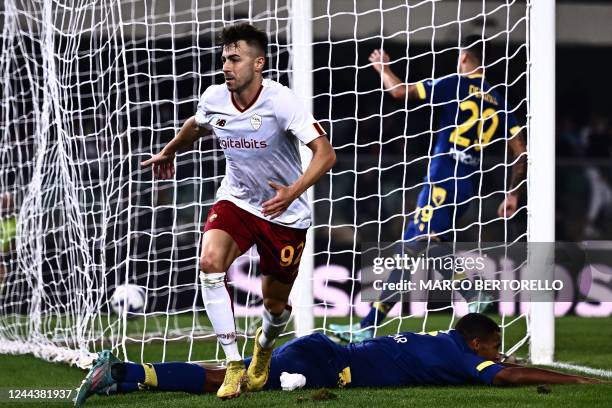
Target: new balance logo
[(220, 122)]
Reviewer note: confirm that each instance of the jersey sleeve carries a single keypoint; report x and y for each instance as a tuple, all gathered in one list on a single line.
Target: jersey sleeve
[(480, 369), (295, 119), (439, 90), (202, 117)]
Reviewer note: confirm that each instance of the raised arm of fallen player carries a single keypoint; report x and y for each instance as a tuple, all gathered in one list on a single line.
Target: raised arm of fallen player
[(323, 159), (163, 162), (518, 149)]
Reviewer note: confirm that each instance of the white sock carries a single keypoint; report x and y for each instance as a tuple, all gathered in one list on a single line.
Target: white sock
[(219, 309), (272, 326)]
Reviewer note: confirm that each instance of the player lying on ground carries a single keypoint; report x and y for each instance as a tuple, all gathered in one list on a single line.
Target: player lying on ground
[(472, 114), (259, 124), (469, 354)]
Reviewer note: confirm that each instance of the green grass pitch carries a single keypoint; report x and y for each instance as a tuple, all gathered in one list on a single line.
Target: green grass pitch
[(578, 340)]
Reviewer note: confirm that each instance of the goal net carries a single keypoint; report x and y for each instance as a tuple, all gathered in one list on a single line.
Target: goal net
[(92, 88)]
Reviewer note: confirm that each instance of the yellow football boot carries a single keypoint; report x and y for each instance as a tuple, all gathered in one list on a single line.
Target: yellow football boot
[(260, 365), (234, 381)]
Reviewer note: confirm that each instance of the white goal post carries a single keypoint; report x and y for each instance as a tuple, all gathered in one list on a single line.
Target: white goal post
[(301, 32), (541, 163)]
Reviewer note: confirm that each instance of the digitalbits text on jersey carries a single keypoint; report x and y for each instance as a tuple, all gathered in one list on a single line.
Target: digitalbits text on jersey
[(243, 143)]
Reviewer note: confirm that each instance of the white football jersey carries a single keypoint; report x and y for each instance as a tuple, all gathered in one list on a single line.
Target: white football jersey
[(260, 144)]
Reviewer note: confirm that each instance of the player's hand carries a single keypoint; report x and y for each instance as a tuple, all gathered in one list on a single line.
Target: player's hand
[(163, 165), (378, 58), (280, 202), (508, 207)]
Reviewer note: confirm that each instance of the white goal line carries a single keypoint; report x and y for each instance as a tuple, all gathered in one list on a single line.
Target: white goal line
[(599, 372)]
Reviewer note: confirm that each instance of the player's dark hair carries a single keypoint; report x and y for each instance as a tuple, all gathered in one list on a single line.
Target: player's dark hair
[(476, 325), (230, 35), (475, 45)]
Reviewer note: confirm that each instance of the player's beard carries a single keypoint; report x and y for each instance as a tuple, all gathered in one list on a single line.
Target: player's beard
[(240, 86)]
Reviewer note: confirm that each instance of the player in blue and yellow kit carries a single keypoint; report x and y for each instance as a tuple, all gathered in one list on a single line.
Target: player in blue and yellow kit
[(471, 115), (467, 355)]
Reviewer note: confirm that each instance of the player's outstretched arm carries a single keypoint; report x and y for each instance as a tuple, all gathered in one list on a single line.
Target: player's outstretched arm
[(398, 90), (323, 159), (530, 375), (518, 148), (163, 162)]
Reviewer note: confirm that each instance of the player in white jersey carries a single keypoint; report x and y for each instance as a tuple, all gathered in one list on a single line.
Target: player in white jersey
[(261, 201)]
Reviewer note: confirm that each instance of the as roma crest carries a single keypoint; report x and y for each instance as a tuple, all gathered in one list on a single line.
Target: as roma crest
[(256, 121)]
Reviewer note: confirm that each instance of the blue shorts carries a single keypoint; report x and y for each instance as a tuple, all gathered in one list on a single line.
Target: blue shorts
[(315, 356), (436, 210)]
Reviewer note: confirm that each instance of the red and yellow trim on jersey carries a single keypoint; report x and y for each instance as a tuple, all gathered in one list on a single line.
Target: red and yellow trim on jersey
[(319, 129), (421, 90)]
